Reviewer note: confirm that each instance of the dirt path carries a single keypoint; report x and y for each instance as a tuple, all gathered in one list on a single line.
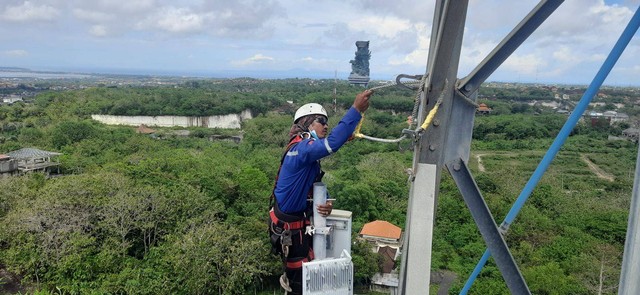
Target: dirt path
[(9, 284), (444, 279), (479, 156), (595, 169), (480, 166)]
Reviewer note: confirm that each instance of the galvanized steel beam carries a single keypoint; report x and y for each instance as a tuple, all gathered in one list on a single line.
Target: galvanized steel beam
[(488, 227), (629, 283), (442, 68)]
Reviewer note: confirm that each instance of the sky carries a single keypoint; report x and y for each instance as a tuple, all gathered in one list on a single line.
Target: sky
[(307, 38)]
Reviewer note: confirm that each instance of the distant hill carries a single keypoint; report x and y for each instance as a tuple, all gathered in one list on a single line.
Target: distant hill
[(14, 69)]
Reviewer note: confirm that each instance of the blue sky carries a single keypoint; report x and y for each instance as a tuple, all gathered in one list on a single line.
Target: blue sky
[(304, 38)]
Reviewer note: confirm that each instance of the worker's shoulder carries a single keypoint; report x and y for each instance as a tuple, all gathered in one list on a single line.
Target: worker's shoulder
[(303, 143)]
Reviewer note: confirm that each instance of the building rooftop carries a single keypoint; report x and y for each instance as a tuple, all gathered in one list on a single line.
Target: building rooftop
[(483, 108), (30, 153), (380, 228)]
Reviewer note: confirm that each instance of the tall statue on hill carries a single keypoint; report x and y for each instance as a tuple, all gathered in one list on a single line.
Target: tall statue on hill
[(360, 65)]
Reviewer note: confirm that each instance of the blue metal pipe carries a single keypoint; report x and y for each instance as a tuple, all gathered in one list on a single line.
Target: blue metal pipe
[(597, 81)]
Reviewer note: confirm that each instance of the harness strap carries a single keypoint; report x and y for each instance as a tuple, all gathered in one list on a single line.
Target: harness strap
[(292, 225), (296, 263), (293, 142)]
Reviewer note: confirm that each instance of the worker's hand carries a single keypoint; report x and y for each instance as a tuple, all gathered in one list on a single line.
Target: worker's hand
[(361, 103), (325, 209)]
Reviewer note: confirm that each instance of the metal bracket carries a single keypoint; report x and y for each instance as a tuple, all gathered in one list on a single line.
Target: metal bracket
[(463, 95), (413, 135), (503, 228), (322, 230)]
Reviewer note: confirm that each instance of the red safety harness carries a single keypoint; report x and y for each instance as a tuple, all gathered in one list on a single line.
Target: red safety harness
[(294, 224), (296, 263), (293, 142)]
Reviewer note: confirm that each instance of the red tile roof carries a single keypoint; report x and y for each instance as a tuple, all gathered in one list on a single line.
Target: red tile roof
[(380, 228), (483, 108)]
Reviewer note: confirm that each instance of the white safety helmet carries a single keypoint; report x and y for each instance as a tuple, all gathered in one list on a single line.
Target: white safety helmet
[(309, 109)]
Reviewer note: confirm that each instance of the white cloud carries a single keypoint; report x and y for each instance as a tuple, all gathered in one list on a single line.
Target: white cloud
[(417, 56), (313, 35), (386, 27), (242, 19), (597, 57), (30, 12), (92, 15), (311, 63), (175, 20), (565, 54), (497, 15), (115, 6), (15, 53), (610, 14), (98, 31), (474, 52), (411, 10), (127, 5), (568, 25), (256, 59), (528, 64)]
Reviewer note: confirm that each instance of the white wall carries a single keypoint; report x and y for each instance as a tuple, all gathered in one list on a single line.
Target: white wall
[(231, 121)]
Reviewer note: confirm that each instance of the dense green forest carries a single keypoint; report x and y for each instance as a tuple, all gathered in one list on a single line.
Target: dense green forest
[(132, 214)]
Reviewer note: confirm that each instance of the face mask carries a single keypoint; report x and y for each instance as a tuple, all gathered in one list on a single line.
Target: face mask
[(314, 134)]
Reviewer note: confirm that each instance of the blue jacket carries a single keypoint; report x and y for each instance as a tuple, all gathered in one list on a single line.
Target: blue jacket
[(301, 165)]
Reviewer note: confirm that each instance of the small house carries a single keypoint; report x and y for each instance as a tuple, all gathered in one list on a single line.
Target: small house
[(386, 239), (32, 159), (483, 109)]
